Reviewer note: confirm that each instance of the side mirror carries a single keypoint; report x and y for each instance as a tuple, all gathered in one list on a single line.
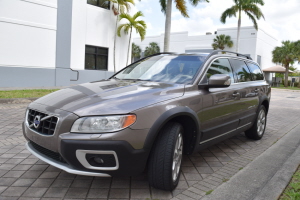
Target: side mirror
[(217, 81)]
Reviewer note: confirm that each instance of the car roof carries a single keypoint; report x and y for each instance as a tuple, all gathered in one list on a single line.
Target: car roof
[(216, 52)]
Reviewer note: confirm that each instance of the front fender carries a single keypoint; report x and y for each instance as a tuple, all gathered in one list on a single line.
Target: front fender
[(168, 116)]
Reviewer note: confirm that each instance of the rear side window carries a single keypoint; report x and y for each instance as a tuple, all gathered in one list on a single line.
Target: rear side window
[(241, 71), (220, 66), (255, 72)]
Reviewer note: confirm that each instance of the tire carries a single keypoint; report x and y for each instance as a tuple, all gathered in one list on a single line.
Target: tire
[(164, 158), (257, 131)]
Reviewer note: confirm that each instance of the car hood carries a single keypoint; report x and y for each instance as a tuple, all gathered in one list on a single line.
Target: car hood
[(111, 96)]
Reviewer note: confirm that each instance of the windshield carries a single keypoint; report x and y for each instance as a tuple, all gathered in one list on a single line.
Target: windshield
[(174, 69)]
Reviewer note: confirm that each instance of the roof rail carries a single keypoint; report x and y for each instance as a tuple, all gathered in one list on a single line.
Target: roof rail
[(224, 52)]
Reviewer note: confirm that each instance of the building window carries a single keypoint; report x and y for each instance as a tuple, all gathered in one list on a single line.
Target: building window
[(96, 58), (100, 3), (259, 59)]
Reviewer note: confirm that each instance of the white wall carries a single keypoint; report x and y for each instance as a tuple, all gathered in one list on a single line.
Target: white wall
[(251, 42), (265, 45), (28, 33), (95, 26)]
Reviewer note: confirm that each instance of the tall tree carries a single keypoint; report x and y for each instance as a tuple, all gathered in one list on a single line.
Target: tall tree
[(132, 23), (285, 55), (119, 6), (297, 46), (153, 48), (251, 10), (221, 41), (166, 8), (135, 52)]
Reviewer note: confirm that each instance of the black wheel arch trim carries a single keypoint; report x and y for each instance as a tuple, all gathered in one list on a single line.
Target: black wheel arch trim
[(262, 99), (168, 116)]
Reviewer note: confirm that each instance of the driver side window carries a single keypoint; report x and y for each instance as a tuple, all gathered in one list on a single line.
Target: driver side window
[(220, 66)]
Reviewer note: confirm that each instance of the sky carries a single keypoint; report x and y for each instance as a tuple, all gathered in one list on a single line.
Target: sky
[(282, 18)]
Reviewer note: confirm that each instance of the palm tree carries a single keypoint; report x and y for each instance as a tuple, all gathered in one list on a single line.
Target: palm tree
[(221, 41), (153, 48), (119, 6), (250, 8), (285, 55), (166, 8), (139, 25), (297, 46), (135, 51)]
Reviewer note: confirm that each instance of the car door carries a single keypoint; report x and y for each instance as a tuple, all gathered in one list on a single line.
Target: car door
[(220, 105), (247, 90)]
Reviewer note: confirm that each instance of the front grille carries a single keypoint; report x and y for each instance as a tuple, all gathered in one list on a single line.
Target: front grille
[(46, 126), (48, 153)]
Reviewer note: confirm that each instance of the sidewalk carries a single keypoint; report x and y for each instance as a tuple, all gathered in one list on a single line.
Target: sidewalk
[(267, 176)]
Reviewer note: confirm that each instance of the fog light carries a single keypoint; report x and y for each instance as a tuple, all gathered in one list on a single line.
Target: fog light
[(98, 160), (101, 160)]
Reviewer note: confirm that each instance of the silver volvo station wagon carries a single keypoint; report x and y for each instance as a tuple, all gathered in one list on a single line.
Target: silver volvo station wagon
[(148, 115)]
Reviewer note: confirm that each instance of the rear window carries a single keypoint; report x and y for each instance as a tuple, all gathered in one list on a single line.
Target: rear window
[(174, 69), (241, 71), (255, 72)]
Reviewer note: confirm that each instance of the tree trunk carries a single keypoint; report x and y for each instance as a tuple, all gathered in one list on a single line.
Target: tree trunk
[(115, 41), (129, 46), (238, 32), (168, 26), (286, 77)]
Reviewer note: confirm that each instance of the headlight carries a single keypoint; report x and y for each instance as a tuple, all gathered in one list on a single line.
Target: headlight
[(102, 124)]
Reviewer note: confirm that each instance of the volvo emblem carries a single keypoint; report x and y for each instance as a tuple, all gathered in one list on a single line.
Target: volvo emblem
[(37, 121)]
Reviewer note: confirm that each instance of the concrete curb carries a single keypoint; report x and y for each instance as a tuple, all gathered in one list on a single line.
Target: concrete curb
[(267, 176), (17, 100)]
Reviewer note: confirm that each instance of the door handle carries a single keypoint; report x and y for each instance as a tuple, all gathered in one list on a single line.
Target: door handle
[(236, 94)]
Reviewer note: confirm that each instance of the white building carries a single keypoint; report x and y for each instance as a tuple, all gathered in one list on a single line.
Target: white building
[(256, 43), (42, 40)]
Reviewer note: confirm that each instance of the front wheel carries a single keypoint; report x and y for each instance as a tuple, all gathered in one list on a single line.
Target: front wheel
[(257, 131), (165, 160)]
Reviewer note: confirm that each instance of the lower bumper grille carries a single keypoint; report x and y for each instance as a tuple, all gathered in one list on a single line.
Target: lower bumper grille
[(48, 153)]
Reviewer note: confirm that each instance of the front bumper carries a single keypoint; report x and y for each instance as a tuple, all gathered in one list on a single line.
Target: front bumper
[(129, 161), (60, 165), (125, 147)]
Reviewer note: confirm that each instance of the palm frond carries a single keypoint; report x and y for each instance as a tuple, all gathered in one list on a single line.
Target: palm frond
[(221, 41), (229, 13), (120, 28), (124, 16), (181, 6), (260, 2), (142, 23), (253, 9), (138, 14), (252, 19), (163, 5), (195, 2), (139, 25), (141, 31)]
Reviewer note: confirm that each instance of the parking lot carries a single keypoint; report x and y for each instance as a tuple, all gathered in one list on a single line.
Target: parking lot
[(23, 176)]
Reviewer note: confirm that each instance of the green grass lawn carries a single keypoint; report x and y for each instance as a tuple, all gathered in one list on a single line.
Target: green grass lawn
[(9, 94), (288, 88), (292, 191)]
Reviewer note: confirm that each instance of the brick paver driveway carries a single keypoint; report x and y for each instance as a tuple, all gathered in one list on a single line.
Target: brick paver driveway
[(25, 177)]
